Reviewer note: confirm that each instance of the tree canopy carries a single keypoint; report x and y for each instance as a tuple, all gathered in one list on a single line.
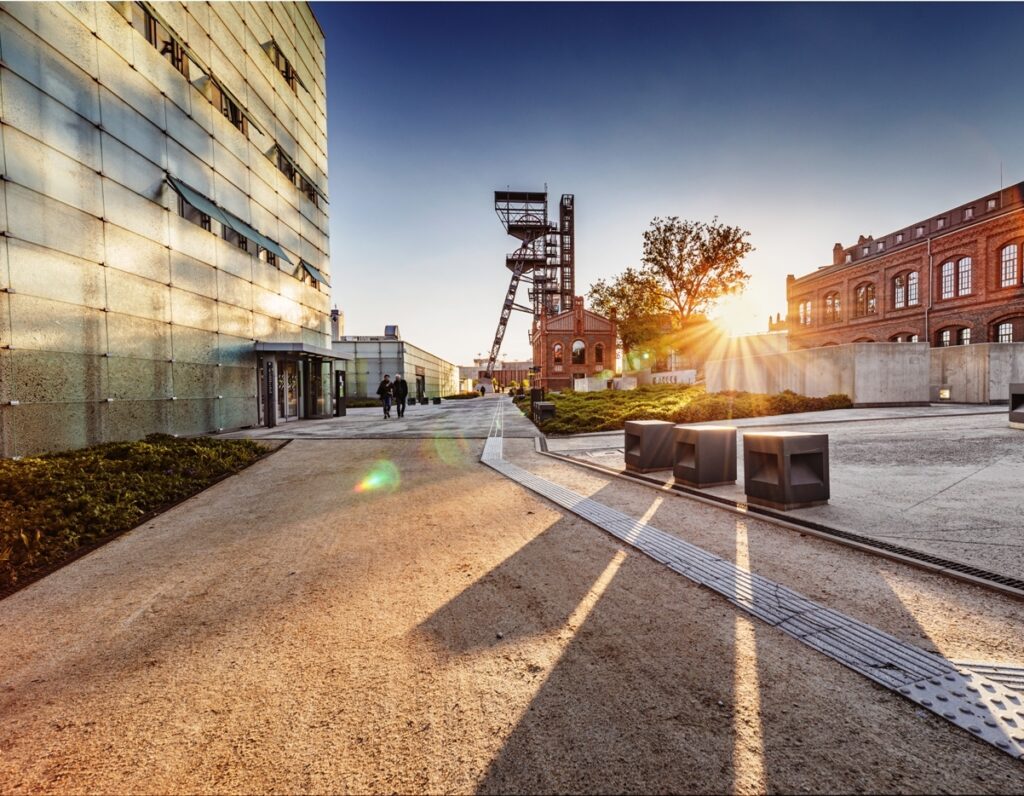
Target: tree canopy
[(686, 267)]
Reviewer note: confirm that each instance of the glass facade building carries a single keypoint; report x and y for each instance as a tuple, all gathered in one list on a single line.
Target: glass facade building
[(164, 257)]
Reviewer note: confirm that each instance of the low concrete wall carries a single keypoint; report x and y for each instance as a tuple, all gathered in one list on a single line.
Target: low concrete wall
[(870, 373), (978, 374)]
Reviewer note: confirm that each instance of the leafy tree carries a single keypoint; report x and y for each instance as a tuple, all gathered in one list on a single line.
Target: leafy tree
[(694, 263), (637, 303), (686, 267)]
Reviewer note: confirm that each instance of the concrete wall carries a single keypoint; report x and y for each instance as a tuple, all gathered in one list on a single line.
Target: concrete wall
[(118, 317), (978, 374), (870, 373)]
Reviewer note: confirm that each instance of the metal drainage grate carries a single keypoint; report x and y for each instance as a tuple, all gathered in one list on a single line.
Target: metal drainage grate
[(982, 706)]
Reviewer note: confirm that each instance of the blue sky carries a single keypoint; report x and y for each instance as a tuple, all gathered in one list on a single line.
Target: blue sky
[(805, 124)]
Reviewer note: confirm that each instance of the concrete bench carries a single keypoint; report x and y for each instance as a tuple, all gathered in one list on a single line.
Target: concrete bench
[(704, 456), (785, 469), (1017, 406), (543, 410), (648, 445)]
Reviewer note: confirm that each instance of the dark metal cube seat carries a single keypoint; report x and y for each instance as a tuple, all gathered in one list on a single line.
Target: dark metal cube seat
[(648, 445), (704, 456), (543, 410), (1017, 406), (786, 469)]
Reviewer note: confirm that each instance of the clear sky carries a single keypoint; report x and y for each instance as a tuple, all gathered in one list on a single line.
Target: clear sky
[(804, 124)]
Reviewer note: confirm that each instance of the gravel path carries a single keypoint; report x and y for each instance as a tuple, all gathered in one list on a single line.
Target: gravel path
[(289, 631)]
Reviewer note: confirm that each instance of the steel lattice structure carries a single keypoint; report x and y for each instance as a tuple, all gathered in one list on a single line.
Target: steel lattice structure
[(545, 258)]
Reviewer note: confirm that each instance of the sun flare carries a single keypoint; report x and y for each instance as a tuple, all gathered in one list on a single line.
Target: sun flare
[(738, 314)]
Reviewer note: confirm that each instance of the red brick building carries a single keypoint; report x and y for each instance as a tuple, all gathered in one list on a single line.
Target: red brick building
[(576, 344), (952, 279)]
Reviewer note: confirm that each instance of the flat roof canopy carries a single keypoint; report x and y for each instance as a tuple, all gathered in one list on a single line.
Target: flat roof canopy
[(296, 348)]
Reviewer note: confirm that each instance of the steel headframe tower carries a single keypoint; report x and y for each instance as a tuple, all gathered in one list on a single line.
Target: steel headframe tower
[(545, 259)]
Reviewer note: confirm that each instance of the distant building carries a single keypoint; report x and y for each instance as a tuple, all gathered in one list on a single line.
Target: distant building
[(505, 372), (952, 279), (370, 357), (163, 251), (575, 344)]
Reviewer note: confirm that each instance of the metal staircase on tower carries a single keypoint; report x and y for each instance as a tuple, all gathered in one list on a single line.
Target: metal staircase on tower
[(545, 258)]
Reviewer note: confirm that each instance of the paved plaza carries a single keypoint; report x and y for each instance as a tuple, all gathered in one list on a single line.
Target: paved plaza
[(943, 480), (388, 614)]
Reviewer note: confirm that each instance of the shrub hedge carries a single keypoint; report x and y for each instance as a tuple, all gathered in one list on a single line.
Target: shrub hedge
[(52, 505), (608, 410), (461, 396)]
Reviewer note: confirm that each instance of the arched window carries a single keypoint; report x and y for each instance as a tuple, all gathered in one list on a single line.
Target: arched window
[(948, 287), (864, 299), (963, 276), (1008, 265), (956, 278), (946, 338), (833, 310), (912, 292), (579, 352), (599, 354), (556, 352), (899, 293)]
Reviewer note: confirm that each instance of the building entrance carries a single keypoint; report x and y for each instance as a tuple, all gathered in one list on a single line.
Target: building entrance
[(287, 390)]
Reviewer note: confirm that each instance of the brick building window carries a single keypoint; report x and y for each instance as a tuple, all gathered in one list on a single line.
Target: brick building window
[(1004, 333), (940, 223), (919, 232), (556, 353), (968, 213), (912, 291), (899, 292), (990, 205), (963, 277), (912, 338), (963, 337), (579, 352), (864, 300), (945, 338), (599, 354), (1008, 265), (899, 237), (833, 311), (881, 246), (948, 280)]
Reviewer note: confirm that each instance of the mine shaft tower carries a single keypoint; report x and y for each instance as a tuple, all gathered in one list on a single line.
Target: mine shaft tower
[(545, 259)]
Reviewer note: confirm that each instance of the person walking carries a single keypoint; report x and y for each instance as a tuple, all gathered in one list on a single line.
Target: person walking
[(400, 388), (384, 390)]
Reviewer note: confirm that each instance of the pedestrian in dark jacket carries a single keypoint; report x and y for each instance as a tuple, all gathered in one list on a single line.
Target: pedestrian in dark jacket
[(400, 388), (385, 393)]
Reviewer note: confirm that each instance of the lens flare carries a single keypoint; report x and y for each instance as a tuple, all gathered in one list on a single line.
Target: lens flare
[(382, 477), (451, 450)]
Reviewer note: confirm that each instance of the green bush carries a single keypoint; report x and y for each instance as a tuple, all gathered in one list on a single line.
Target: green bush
[(608, 410), (461, 395), (52, 505)]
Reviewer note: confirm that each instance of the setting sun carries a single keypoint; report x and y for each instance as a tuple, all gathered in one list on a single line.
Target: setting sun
[(738, 314)]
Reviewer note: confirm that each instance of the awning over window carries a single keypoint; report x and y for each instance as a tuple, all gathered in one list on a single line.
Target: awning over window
[(313, 272), (245, 230), (197, 200), (204, 205)]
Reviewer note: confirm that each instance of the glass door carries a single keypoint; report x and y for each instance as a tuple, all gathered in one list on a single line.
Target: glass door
[(287, 390)]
